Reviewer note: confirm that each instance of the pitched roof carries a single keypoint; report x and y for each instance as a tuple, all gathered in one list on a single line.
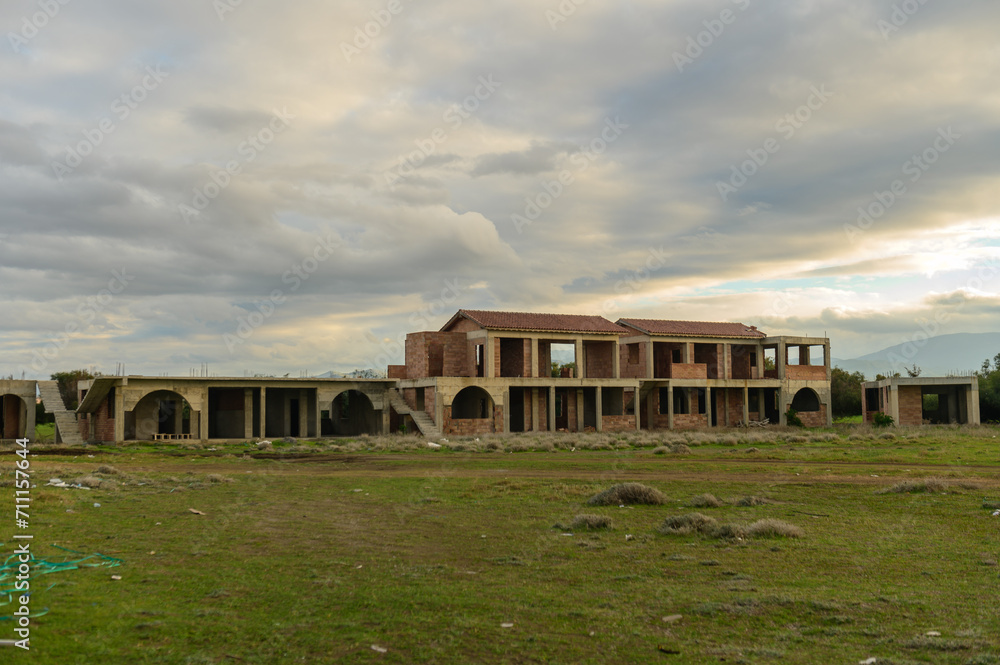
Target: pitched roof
[(692, 328), (573, 323)]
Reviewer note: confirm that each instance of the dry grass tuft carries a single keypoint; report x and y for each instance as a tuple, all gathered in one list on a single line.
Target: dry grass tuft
[(107, 469), (750, 501), (772, 528), (628, 494), (927, 485), (217, 478), (689, 523), (706, 501)]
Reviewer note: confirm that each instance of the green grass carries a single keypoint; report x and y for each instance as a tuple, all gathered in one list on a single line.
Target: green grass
[(45, 432), (439, 549)]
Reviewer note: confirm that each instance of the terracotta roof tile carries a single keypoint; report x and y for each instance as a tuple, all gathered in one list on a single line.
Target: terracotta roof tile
[(573, 323), (691, 328)]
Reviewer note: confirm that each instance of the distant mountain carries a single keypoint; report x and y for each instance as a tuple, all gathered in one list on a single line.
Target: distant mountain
[(937, 356)]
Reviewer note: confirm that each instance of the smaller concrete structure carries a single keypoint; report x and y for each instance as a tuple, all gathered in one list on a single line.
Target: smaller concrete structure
[(923, 400), (17, 410)]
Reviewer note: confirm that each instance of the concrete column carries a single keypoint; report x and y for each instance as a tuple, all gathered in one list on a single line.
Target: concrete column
[(972, 399), (708, 406), (650, 367), (303, 412), (263, 412), (550, 410), (727, 361), (119, 415), (893, 403), (535, 416), (670, 407), (780, 359), (581, 363), (952, 405), (599, 407), (804, 355), (506, 410), (759, 350), (746, 405), (761, 404), (248, 413), (489, 356), (782, 420), (579, 409), (616, 361), (535, 370)]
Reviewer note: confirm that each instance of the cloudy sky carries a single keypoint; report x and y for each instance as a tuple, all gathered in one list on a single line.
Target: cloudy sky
[(289, 187)]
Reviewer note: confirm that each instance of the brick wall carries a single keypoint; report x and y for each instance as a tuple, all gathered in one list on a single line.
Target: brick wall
[(910, 406), (618, 423), (396, 372), (452, 346), (544, 359), (410, 395), (464, 325), (472, 426), (600, 359), (632, 370), (805, 372), (690, 420), (104, 429), (688, 371), (814, 418)]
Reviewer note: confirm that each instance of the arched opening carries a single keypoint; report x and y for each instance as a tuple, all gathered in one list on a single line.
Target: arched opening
[(806, 400), (352, 414), (472, 403), (13, 417), (160, 415)]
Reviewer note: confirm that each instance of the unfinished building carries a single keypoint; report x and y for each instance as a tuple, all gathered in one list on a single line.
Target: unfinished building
[(17, 410), (923, 400), (130, 408), (488, 371)]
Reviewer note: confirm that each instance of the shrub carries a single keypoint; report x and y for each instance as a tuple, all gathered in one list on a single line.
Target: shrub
[(706, 501), (772, 528), (750, 501), (792, 418), (628, 493), (689, 523), (880, 419)]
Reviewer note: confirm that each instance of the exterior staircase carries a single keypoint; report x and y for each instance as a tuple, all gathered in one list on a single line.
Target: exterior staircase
[(423, 422), (67, 429)]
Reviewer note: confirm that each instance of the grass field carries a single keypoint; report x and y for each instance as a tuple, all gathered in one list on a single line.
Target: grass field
[(380, 550)]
